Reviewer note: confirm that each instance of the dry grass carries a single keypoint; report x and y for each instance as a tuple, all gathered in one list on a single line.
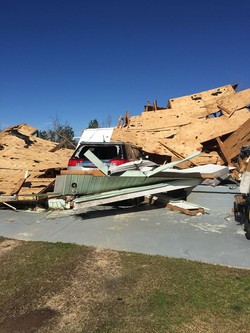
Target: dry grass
[(61, 288)]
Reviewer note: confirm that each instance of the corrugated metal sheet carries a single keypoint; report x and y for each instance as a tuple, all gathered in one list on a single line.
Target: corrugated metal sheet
[(92, 200), (88, 184)]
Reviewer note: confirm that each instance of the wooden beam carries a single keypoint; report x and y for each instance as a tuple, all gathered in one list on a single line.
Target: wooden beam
[(171, 164), (225, 110), (176, 153), (19, 184), (10, 206), (96, 172), (239, 138), (194, 211), (223, 151)]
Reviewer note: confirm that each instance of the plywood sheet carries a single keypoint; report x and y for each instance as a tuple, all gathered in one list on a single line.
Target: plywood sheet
[(241, 137), (188, 124), (199, 100), (20, 151), (236, 101)]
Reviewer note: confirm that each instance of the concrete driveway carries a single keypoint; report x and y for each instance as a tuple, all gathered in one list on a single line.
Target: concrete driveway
[(212, 238)]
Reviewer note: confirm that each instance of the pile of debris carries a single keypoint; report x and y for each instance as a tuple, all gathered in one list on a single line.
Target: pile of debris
[(215, 122), (28, 164)]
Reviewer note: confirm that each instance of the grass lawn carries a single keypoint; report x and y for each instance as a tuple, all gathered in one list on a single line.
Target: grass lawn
[(56, 287)]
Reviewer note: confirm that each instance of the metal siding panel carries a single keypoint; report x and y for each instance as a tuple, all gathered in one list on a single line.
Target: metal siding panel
[(137, 191), (59, 184), (88, 184)]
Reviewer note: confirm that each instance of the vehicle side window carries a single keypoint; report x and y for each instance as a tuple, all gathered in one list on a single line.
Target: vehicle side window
[(83, 151), (129, 152), (137, 153)]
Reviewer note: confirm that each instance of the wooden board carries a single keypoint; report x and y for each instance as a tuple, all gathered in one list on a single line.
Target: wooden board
[(201, 99), (236, 101), (186, 211), (21, 151), (156, 130), (82, 172), (241, 137)]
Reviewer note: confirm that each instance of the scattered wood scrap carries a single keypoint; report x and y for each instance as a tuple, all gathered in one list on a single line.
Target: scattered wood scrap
[(185, 208), (28, 164), (238, 139), (182, 206)]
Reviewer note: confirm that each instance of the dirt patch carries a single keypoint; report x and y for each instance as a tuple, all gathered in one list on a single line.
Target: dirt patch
[(7, 245), (29, 322), (87, 290)]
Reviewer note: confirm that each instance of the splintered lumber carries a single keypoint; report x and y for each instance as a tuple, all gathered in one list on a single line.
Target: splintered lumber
[(200, 100), (239, 138), (163, 200), (35, 187), (22, 129), (179, 156), (200, 121), (94, 172), (21, 151), (235, 102), (19, 184), (185, 208), (224, 152)]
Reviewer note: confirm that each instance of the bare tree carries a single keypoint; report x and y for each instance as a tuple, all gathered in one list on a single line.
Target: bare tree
[(62, 134), (109, 120)]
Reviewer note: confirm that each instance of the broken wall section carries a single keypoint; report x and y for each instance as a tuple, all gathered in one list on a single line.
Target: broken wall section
[(189, 123), (28, 164)]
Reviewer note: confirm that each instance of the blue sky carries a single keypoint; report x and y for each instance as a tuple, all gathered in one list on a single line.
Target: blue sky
[(82, 60)]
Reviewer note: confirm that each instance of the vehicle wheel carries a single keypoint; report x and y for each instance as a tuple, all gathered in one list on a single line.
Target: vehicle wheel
[(247, 225), (243, 215), (248, 234), (236, 212)]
